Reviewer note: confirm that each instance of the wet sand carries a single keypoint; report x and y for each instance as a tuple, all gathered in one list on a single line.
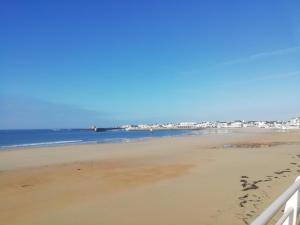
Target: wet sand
[(213, 179)]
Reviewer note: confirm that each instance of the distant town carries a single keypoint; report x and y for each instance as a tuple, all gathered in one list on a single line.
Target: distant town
[(293, 123)]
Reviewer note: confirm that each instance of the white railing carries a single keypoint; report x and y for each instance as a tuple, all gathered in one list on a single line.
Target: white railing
[(290, 198)]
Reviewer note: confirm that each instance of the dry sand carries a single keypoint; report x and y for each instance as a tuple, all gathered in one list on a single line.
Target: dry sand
[(213, 179)]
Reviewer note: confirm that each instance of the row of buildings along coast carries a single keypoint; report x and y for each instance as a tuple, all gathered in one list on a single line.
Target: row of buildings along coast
[(293, 123)]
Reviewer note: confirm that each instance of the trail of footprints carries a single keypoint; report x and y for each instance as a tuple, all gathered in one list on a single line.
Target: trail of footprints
[(248, 201)]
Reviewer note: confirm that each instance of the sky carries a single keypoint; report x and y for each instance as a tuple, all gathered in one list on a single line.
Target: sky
[(106, 63)]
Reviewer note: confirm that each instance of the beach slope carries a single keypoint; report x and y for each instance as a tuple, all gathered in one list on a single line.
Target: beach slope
[(211, 179)]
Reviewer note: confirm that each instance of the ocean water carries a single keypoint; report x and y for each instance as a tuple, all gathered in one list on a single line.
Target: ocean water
[(11, 139)]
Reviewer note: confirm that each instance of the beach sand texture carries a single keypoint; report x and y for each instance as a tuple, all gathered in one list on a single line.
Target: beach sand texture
[(211, 179)]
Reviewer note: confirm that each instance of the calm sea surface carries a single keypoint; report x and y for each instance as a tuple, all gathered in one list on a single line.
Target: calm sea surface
[(10, 139)]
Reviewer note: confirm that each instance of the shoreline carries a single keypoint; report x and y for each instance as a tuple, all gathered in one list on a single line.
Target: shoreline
[(98, 149), (62, 143), (170, 180)]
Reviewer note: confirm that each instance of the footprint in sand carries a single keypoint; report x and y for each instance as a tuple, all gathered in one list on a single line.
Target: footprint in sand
[(245, 196), (242, 203), (26, 185)]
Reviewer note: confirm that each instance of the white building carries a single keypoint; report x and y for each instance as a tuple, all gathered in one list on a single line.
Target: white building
[(261, 124), (293, 123), (249, 124), (222, 125), (186, 125), (169, 126), (236, 124)]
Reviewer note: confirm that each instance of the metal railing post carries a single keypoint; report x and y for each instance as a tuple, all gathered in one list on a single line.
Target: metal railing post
[(290, 198), (292, 203)]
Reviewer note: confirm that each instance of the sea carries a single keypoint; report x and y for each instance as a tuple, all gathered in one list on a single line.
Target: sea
[(13, 139)]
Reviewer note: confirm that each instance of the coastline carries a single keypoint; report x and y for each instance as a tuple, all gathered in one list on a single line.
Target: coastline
[(87, 137), (170, 180), (116, 140)]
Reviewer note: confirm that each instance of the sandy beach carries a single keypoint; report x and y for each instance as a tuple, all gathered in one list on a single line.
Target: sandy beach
[(226, 178)]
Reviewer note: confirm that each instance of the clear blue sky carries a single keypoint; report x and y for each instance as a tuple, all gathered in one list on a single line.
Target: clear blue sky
[(78, 63)]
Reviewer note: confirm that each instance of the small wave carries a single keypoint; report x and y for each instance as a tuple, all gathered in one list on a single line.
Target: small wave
[(41, 144)]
